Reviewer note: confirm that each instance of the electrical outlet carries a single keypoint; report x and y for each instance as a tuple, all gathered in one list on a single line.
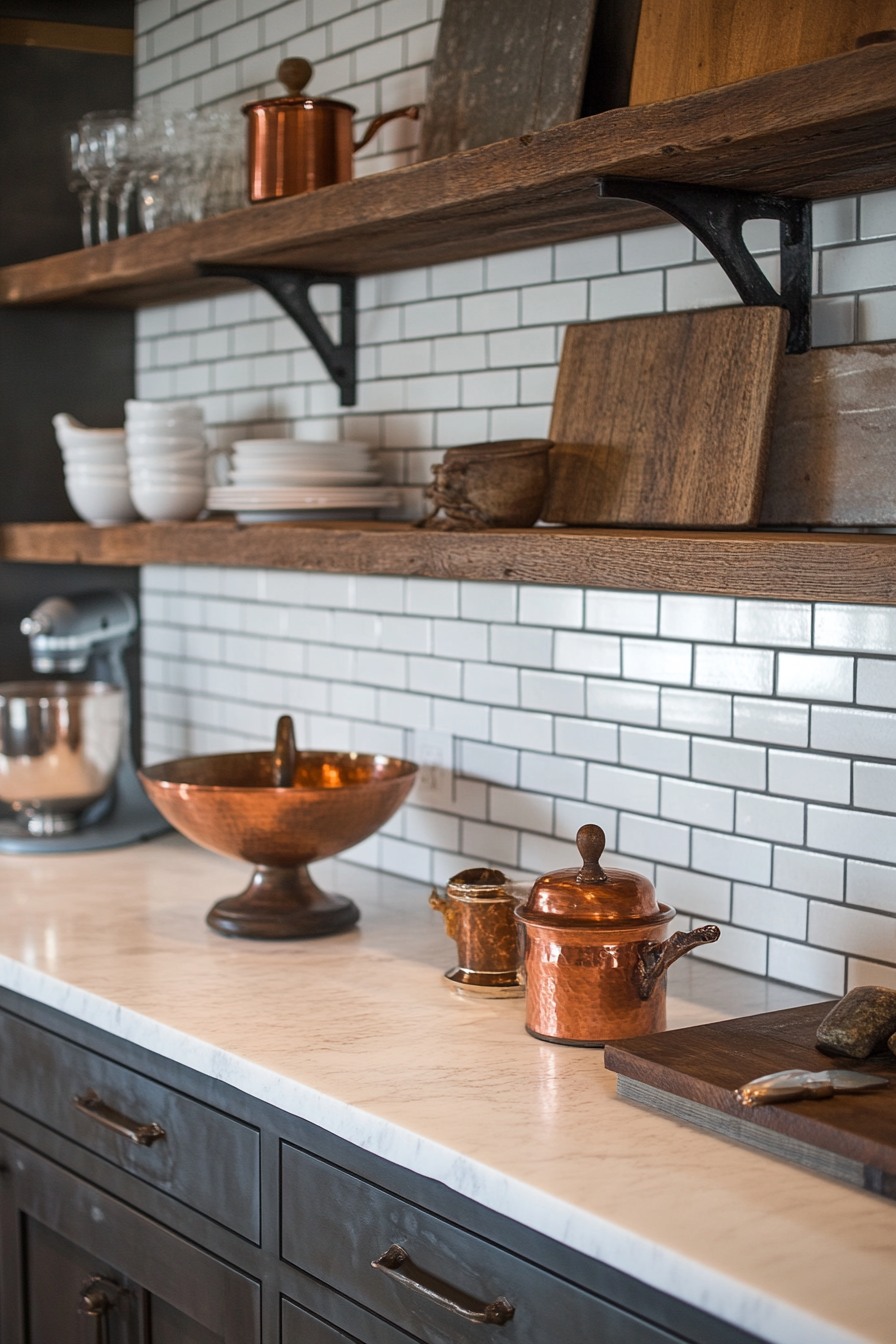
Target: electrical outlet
[(434, 754)]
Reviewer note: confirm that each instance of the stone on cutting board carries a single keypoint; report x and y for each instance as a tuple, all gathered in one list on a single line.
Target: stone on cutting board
[(860, 1023)]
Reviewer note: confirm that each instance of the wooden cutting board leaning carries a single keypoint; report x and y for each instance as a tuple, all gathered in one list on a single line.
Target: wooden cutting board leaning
[(832, 459), (701, 44), (692, 1075), (504, 69), (665, 421)]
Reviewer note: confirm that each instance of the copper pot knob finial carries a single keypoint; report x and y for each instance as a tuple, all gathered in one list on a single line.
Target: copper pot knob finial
[(591, 842), (294, 73)]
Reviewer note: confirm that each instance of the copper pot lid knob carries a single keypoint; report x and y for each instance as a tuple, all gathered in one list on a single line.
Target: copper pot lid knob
[(591, 841), (294, 73)]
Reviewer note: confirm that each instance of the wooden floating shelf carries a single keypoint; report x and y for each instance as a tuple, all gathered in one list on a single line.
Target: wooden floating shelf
[(826, 567), (818, 130)]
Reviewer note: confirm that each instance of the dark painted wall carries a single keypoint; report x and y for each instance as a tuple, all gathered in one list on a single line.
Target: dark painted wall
[(77, 360)]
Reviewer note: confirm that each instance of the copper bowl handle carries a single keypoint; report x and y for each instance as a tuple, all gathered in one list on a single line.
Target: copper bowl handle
[(656, 959), (412, 112), (284, 760)]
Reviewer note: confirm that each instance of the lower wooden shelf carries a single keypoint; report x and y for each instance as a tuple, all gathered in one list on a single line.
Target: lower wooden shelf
[(828, 567)]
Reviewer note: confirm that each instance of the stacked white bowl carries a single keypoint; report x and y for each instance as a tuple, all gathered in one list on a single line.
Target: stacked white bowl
[(166, 458), (96, 472), (274, 463)]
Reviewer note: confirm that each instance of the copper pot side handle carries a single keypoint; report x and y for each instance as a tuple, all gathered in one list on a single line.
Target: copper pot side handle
[(143, 1134), (412, 113), (656, 960), (447, 911), (398, 1265)]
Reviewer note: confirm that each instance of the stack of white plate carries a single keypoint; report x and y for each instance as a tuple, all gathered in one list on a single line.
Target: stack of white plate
[(96, 472), (166, 458), (278, 480)]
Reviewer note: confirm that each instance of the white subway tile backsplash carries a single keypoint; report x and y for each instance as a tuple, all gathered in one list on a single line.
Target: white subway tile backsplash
[(625, 701), (812, 676), (659, 660), (666, 752), (467, 352), (861, 972), (709, 618), (770, 721), (634, 790), (770, 911), (858, 931), (857, 731), (735, 669), (809, 775), (770, 818), (621, 612), (871, 884)]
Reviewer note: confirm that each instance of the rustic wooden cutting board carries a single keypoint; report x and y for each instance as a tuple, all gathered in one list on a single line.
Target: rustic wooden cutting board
[(701, 44), (503, 69), (665, 421), (832, 459), (692, 1074)]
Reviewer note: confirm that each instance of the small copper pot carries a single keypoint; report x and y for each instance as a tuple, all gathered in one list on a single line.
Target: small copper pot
[(298, 144), (478, 909), (596, 957)]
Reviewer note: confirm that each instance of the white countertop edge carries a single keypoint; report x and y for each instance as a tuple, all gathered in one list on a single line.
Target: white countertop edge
[(596, 1237)]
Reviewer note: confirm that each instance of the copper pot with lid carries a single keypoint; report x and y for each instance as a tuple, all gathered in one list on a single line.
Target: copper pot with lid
[(298, 143), (596, 955)]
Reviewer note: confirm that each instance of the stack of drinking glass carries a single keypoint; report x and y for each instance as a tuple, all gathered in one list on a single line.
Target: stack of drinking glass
[(153, 169)]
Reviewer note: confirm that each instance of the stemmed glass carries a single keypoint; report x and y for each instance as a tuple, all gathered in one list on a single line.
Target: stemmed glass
[(99, 131), (77, 181)]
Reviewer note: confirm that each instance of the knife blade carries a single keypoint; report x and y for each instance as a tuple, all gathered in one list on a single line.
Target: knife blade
[(799, 1084)]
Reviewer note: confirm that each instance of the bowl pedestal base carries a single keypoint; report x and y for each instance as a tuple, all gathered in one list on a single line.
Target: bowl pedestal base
[(282, 903)]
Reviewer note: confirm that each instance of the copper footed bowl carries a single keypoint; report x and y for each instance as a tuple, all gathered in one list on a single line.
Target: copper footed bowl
[(228, 804)]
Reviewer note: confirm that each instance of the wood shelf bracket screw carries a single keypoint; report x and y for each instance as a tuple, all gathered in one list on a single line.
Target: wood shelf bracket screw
[(290, 286), (716, 215)]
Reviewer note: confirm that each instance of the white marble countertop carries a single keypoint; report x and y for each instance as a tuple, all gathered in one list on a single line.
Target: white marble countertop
[(360, 1035)]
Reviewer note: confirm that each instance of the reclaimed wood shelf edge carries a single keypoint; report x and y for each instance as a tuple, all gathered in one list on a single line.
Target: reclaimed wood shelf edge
[(816, 130), (828, 567)]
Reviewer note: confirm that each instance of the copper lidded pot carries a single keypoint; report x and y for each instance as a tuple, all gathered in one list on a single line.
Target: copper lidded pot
[(298, 144), (596, 956), (478, 910)]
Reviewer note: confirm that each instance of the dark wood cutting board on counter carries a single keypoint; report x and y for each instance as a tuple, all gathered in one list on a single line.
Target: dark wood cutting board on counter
[(692, 1074), (665, 421)]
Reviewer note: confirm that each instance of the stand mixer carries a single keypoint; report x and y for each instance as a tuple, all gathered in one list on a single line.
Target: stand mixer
[(65, 758)]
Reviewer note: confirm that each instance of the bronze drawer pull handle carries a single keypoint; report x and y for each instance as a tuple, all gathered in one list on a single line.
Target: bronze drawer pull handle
[(398, 1265), (94, 1106)]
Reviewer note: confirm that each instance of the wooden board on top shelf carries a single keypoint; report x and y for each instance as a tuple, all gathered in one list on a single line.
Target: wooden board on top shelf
[(703, 44), (793, 566), (832, 460), (820, 130), (704, 1065), (664, 420)]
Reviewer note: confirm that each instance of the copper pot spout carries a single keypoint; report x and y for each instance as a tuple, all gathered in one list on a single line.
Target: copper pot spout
[(656, 959)]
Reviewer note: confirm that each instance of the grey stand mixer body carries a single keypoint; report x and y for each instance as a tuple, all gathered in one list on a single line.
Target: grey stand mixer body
[(71, 636)]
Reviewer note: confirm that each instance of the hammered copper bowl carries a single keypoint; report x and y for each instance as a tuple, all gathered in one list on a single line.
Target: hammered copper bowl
[(228, 804)]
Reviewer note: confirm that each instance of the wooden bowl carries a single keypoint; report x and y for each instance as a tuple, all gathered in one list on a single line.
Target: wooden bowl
[(485, 485), (227, 804)]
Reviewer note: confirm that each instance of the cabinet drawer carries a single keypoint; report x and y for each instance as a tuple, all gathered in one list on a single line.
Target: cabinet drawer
[(205, 1159), (334, 1225)]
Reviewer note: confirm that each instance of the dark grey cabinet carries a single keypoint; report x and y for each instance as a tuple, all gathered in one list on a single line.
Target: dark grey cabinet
[(234, 1223)]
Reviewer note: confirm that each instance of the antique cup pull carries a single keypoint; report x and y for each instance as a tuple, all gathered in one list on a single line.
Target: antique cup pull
[(398, 1265), (90, 1104), (656, 960)]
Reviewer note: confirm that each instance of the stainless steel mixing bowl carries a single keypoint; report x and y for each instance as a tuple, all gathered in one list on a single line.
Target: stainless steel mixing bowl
[(60, 745)]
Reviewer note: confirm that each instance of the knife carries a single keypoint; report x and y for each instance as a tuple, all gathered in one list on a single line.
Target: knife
[(795, 1084)]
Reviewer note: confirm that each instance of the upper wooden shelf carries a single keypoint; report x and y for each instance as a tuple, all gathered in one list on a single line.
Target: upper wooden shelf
[(824, 567), (818, 130)]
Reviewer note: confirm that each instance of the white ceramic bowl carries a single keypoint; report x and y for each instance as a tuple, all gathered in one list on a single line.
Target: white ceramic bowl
[(163, 443), (162, 410), (169, 503), (102, 503), (192, 457), (104, 453), (67, 427), (102, 476)]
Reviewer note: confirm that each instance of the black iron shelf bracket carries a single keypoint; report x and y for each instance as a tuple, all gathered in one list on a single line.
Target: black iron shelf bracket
[(290, 286), (716, 215)]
